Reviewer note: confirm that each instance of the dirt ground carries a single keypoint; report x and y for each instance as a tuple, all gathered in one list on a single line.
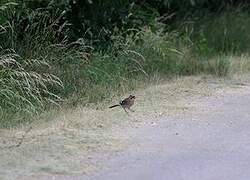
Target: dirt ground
[(209, 142), (74, 141)]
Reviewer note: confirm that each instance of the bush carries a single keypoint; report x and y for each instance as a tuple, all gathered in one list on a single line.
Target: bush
[(223, 33)]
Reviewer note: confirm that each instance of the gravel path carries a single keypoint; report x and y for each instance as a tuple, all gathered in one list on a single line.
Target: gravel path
[(212, 142)]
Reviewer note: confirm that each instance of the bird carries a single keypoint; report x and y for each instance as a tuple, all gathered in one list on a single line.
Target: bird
[(126, 103)]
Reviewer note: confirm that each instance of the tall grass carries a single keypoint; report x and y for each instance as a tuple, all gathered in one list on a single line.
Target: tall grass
[(225, 32), (170, 54), (26, 83), (23, 90), (41, 65)]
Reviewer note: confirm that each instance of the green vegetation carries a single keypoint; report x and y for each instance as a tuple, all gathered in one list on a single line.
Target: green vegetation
[(71, 52)]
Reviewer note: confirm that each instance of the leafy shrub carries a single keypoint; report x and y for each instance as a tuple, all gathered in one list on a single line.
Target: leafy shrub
[(226, 32)]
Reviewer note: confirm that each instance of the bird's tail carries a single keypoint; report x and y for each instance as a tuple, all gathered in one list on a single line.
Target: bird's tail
[(114, 106)]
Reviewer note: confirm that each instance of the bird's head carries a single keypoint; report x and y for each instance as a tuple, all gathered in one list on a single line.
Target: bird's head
[(131, 97)]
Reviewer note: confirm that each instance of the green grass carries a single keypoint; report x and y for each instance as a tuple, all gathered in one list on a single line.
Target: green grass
[(221, 33), (40, 70), (24, 91)]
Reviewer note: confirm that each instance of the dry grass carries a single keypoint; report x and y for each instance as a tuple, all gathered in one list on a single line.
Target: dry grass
[(240, 65), (67, 143)]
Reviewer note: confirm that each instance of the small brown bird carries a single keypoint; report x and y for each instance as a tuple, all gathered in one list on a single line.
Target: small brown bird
[(126, 103)]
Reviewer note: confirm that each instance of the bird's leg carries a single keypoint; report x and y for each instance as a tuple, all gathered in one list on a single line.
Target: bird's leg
[(131, 109), (125, 110)]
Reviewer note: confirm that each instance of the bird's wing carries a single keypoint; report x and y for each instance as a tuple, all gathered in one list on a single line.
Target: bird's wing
[(125, 101)]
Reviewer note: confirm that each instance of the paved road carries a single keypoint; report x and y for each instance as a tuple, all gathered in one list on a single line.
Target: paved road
[(211, 143)]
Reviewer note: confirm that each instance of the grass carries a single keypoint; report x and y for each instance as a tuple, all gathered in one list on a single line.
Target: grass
[(221, 33), (24, 91), (40, 69), (84, 81)]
